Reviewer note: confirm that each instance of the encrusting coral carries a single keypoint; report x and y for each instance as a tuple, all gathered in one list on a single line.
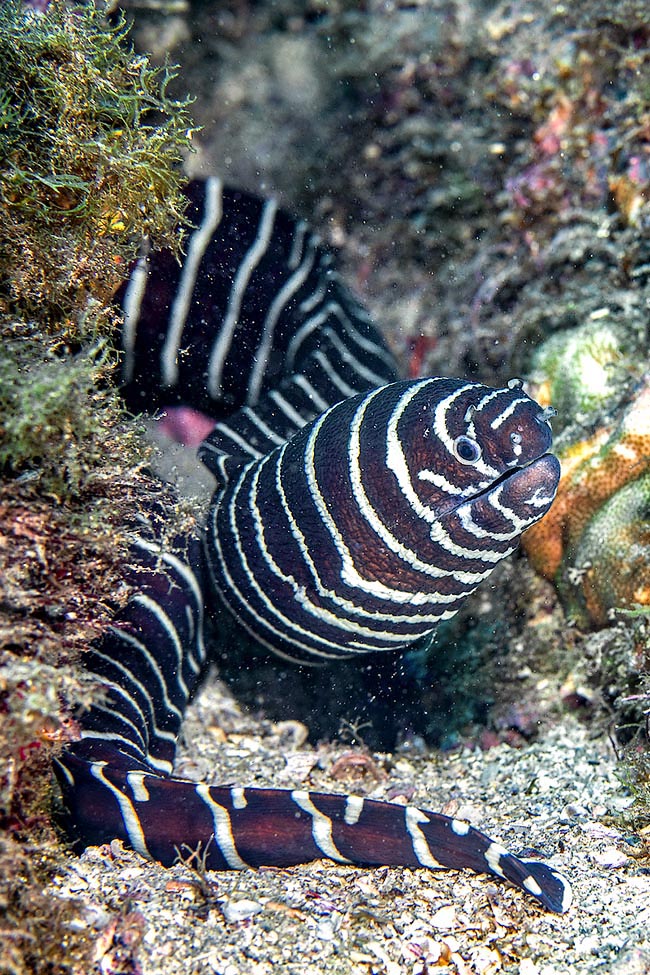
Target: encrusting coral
[(594, 543), (582, 369)]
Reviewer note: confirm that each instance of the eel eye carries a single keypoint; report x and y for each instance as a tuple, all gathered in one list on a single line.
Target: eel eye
[(466, 450)]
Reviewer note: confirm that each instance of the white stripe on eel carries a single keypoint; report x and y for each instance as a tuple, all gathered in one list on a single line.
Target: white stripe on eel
[(413, 817), (222, 828), (321, 826), (130, 817)]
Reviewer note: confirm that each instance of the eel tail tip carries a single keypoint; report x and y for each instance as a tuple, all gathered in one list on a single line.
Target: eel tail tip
[(551, 889)]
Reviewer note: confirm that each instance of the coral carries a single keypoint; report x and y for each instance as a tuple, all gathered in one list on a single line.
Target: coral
[(90, 147), (40, 932), (581, 370), (625, 14), (611, 560), (594, 540), (48, 571)]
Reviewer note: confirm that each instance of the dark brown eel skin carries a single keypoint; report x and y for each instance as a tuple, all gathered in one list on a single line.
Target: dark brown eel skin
[(353, 512)]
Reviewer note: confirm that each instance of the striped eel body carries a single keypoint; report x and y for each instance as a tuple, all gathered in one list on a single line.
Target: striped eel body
[(353, 512)]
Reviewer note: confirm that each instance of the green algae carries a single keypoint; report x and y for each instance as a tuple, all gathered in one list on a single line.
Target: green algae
[(90, 152), (58, 415)]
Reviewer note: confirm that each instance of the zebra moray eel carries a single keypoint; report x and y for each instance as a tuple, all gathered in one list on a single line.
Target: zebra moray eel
[(353, 512)]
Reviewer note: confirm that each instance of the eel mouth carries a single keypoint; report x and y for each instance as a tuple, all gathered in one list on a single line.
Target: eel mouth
[(532, 483)]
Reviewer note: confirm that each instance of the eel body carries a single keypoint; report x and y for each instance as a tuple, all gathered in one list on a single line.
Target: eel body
[(353, 512)]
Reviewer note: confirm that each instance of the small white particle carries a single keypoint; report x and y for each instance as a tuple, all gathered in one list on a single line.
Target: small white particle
[(241, 910)]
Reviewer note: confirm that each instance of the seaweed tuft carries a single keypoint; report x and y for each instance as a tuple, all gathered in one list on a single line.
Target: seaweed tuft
[(90, 152), (59, 417)]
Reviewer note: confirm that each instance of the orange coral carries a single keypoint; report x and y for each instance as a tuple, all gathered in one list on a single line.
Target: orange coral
[(613, 554), (593, 470)]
